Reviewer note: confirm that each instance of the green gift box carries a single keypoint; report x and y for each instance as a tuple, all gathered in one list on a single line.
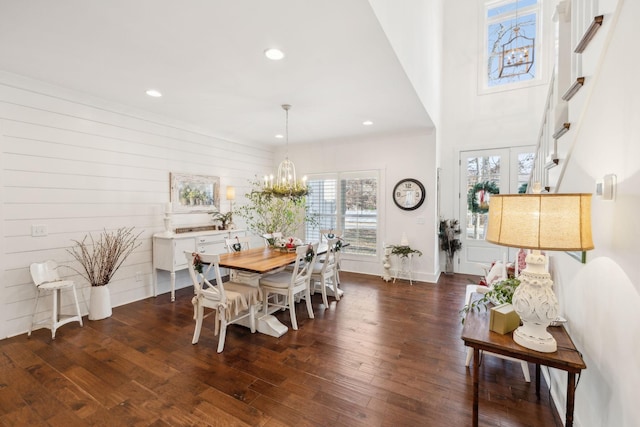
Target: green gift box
[(503, 319)]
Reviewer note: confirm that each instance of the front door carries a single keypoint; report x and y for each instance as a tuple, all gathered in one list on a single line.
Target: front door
[(483, 173)]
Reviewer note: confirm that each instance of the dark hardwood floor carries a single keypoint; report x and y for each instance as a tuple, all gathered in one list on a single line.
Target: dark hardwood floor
[(385, 355)]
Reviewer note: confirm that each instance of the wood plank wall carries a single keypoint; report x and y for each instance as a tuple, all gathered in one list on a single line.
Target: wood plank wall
[(78, 165)]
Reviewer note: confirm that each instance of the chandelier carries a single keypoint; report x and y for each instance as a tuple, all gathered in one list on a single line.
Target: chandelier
[(286, 183), (518, 53)]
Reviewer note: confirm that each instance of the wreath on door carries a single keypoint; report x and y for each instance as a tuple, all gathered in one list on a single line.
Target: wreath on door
[(478, 196)]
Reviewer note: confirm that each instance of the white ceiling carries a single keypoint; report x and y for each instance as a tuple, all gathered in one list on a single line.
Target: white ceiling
[(206, 57)]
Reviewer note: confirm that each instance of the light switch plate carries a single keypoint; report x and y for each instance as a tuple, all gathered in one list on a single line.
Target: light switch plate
[(39, 230)]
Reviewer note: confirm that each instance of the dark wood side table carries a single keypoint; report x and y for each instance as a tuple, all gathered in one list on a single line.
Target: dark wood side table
[(476, 334)]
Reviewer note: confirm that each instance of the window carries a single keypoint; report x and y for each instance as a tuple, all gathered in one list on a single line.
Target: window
[(346, 201), (511, 42)]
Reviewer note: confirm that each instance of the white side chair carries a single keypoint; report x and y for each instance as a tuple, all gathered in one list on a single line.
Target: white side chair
[(47, 280), (324, 273), (230, 302), (291, 283), (237, 244), (334, 233), (329, 233), (496, 273)]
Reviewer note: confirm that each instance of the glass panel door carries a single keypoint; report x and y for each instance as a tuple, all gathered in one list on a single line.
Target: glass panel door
[(482, 174)]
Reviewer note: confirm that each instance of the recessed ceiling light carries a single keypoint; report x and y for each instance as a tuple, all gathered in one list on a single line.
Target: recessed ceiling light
[(154, 93), (279, 136), (274, 54), (367, 123)]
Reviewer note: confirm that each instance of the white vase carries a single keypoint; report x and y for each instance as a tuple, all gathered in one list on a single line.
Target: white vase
[(100, 303)]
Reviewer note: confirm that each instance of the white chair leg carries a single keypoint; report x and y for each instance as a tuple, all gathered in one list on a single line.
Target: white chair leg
[(199, 310), (324, 292), (308, 301), (54, 313), (223, 334), (35, 310), (75, 298), (525, 371), (292, 311), (467, 362)]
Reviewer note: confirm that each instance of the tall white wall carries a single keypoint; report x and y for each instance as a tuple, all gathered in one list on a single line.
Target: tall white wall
[(396, 157), (414, 29), (473, 120), (600, 299), (78, 165)]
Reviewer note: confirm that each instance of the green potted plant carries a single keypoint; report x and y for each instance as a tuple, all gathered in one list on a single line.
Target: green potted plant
[(224, 218), (499, 293), (100, 259), (404, 251)]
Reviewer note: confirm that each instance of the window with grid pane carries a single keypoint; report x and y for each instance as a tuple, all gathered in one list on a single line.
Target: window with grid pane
[(346, 201)]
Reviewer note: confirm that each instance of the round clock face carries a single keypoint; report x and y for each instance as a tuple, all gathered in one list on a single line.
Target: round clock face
[(409, 194)]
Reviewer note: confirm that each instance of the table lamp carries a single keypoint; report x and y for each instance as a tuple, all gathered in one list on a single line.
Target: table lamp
[(539, 222), (231, 196)]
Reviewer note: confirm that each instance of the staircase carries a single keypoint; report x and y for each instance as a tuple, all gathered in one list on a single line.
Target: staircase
[(582, 38)]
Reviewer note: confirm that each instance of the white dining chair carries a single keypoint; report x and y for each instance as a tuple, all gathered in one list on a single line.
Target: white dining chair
[(324, 273), (229, 302), (330, 233), (238, 244), (326, 234), (47, 281), (291, 283)]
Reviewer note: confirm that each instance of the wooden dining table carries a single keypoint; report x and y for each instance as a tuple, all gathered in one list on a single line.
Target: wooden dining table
[(263, 261), (257, 260)]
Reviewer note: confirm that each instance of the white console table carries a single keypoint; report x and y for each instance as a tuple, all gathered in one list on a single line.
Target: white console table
[(168, 251)]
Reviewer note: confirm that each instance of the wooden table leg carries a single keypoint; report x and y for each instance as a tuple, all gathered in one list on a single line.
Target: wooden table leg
[(571, 395), (476, 384), (538, 375)]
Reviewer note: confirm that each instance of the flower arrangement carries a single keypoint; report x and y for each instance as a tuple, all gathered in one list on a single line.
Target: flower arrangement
[(287, 243), (197, 262), (308, 257)]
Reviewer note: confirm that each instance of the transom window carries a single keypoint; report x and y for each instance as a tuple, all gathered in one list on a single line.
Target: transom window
[(511, 30), (346, 201)]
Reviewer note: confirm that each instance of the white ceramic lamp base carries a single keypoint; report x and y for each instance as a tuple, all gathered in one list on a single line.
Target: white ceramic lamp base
[(537, 306)]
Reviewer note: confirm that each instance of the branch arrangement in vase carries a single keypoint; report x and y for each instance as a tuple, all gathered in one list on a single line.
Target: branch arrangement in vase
[(265, 213), (101, 258), (447, 232)]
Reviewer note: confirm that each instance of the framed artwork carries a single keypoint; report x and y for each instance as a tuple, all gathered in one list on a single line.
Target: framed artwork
[(194, 193)]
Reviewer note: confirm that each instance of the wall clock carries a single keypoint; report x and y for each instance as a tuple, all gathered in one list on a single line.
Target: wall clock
[(409, 194)]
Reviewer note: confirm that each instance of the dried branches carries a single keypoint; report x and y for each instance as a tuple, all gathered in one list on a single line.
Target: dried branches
[(100, 259)]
